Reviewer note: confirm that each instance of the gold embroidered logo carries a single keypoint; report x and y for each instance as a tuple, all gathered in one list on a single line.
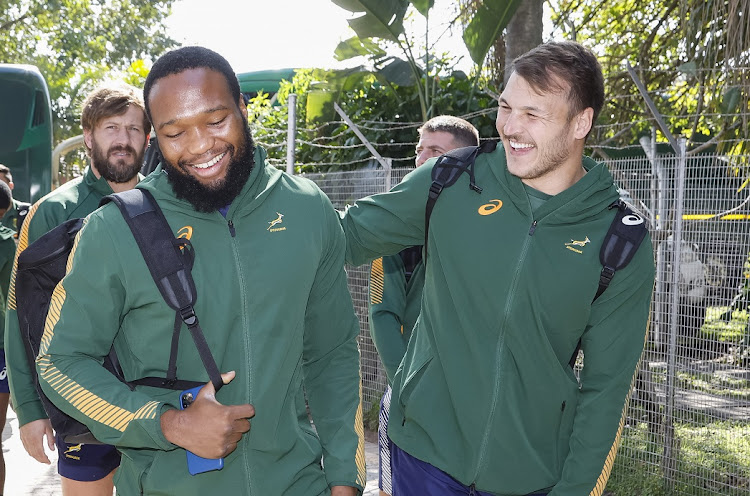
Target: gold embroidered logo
[(573, 243), (275, 222), (186, 232), (491, 207), (75, 448)]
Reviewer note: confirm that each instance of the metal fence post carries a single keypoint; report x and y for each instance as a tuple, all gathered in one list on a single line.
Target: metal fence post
[(669, 461), (291, 132)]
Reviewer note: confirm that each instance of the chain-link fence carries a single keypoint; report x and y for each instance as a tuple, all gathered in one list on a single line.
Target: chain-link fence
[(687, 424)]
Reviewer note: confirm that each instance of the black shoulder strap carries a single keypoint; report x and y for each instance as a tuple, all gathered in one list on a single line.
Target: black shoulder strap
[(622, 240), (446, 171), (169, 260), (625, 235)]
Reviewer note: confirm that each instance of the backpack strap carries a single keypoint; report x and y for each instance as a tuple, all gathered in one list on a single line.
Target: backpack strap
[(622, 240), (169, 260), (446, 171)]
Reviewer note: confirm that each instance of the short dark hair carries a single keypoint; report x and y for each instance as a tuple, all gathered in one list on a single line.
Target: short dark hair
[(190, 57), (6, 172), (463, 132), (111, 98), (545, 66), (6, 196)]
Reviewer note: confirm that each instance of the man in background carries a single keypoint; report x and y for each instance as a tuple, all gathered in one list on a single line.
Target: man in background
[(396, 283), (15, 214), (115, 130), (7, 252)]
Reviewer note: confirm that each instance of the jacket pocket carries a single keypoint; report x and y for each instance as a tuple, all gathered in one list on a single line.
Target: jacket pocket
[(413, 369)]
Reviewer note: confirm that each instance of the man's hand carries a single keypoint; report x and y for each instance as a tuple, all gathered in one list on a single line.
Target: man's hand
[(344, 491), (207, 428), (32, 437)]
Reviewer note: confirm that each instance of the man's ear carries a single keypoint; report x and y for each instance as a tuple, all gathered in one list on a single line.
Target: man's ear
[(584, 122), (243, 106), (87, 138)]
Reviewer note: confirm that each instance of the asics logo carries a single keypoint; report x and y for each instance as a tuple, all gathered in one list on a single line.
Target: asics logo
[(490, 208), (632, 220), (186, 232)]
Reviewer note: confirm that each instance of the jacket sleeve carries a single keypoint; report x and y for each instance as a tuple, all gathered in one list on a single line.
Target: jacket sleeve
[(85, 313), (23, 393), (386, 223), (612, 345), (387, 309), (7, 252), (331, 363)]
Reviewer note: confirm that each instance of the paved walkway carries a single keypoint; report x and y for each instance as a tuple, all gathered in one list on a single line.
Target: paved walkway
[(27, 477)]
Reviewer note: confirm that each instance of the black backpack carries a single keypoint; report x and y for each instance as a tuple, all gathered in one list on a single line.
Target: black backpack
[(625, 234), (22, 210), (43, 264)]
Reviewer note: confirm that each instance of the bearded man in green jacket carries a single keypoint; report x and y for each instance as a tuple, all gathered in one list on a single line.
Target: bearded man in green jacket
[(272, 300), (484, 401)]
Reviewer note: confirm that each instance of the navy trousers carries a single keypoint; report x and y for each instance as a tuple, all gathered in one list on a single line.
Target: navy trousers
[(412, 476)]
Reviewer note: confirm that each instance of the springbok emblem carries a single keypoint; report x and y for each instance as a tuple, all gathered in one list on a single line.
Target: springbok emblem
[(277, 220), (579, 243)]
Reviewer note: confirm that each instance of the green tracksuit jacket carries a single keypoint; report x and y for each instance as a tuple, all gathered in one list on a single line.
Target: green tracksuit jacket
[(394, 308), (274, 306), (75, 199), (485, 392), (7, 252)]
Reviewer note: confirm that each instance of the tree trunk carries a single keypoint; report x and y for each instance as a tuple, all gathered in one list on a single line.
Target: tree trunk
[(523, 33)]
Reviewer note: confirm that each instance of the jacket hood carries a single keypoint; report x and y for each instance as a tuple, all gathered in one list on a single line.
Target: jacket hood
[(263, 178), (593, 193)]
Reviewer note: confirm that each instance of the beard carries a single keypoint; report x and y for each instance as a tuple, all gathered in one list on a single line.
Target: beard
[(209, 198), (117, 170), (552, 156)]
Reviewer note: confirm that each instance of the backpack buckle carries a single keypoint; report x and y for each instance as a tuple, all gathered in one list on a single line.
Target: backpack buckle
[(188, 316), (435, 189)]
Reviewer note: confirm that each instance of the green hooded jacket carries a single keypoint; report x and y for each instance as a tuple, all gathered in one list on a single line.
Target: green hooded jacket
[(485, 392), (394, 308), (73, 200), (274, 306)]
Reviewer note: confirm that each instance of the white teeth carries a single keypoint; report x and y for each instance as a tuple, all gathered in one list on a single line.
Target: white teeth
[(516, 145), (210, 162)]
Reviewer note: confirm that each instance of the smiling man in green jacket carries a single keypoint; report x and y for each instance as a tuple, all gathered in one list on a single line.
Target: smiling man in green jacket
[(484, 401), (272, 300)]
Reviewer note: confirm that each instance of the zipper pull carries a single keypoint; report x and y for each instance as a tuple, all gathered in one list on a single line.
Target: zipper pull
[(532, 229), (231, 228)]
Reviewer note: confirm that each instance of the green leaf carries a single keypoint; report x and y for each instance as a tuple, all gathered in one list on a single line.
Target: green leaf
[(731, 101), (689, 68), (487, 25), (398, 72), (357, 47), (423, 6), (378, 19), (319, 107)]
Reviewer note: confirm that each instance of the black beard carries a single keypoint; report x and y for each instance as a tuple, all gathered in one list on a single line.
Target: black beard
[(205, 199), (118, 172)]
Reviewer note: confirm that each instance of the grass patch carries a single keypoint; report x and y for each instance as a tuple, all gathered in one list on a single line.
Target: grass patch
[(712, 459)]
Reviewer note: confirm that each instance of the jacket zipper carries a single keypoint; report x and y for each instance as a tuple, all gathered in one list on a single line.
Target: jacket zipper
[(498, 353), (246, 338)]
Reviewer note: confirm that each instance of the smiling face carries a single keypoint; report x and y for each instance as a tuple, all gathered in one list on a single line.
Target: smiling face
[(200, 127), (117, 144), (543, 142)]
